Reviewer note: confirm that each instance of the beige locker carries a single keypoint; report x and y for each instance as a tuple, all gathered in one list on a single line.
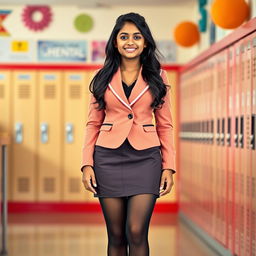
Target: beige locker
[(76, 95), (87, 195), (50, 135), (5, 118), (253, 148), (23, 145), (172, 77)]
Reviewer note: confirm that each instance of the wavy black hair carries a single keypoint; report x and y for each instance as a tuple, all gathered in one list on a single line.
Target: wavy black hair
[(149, 58)]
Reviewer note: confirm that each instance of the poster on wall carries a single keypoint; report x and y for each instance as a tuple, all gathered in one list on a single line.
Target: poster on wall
[(3, 16), (62, 51), (98, 51), (17, 51), (168, 50)]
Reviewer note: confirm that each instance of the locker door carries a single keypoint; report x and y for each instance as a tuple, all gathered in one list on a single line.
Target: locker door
[(50, 134), (253, 148), (76, 95), (214, 97), (172, 78), (5, 118), (230, 148), (23, 147), (242, 145), (211, 144), (237, 160), (223, 147), (220, 152), (247, 138)]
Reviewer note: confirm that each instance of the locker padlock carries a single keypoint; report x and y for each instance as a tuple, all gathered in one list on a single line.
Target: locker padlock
[(18, 132), (44, 132), (69, 133)]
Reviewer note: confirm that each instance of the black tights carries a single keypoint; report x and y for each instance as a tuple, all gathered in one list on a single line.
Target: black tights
[(127, 221)]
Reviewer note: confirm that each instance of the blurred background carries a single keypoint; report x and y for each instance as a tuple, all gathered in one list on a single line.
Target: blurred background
[(48, 53)]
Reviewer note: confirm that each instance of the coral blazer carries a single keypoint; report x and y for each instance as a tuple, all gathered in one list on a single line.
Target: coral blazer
[(132, 119)]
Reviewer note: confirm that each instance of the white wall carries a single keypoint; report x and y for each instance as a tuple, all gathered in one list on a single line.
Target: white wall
[(161, 21)]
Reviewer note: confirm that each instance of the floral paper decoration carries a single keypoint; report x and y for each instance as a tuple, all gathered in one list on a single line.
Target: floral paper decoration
[(29, 20)]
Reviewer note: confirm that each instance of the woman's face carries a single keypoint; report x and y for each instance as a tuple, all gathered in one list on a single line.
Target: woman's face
[(129, 41)]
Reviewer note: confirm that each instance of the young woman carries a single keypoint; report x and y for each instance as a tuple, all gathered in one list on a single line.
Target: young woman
[(127, 161)]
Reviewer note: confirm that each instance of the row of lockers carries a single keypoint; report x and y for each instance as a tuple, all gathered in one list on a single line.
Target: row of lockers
[(40, 111), (204, 132), (45, 111), (217, 146)]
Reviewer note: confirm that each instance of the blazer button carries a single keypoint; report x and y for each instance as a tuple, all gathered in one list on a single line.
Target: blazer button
[(130, 116)]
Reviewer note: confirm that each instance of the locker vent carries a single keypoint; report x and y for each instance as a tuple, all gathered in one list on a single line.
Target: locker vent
[(49, 91), (23, 184), (24, 91), (49, 184), (74, 185), (75, 91), (1, 91)]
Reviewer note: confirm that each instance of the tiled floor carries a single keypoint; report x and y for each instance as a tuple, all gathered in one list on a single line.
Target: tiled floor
[(85, 235)]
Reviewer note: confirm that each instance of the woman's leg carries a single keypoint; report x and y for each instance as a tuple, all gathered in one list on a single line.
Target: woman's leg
[(114, 211), (139, 212)]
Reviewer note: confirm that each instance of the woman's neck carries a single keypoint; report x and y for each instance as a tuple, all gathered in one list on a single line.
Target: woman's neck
[(130, 65)]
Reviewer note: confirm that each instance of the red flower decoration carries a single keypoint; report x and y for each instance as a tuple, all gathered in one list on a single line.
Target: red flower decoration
[(27, 17)]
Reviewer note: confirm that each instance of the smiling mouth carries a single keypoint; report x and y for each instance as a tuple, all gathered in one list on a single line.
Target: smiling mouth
[(130, 49)]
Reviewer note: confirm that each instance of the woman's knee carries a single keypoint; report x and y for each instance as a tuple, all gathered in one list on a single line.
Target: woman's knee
[(116, 237), (135, 234)]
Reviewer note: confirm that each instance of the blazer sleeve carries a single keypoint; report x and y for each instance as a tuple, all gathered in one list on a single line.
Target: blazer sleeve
[(165, 131), (92, 127)]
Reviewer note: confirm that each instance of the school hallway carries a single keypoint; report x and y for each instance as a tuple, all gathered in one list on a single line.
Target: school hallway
[(84, 235)]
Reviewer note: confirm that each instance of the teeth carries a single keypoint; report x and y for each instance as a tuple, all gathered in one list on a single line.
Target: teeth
[(130, 49)]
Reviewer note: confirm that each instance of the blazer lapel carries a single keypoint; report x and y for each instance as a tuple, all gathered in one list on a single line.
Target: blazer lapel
[(138, 90)]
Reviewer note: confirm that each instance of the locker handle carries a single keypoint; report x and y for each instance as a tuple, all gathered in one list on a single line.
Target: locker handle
[(236, 133), (241, 135), (69, 133), (44, 132), (222, 135), (252, 136), (229, 132), (18, 133), (218, 132)]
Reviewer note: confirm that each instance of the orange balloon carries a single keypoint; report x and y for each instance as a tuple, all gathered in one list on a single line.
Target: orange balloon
[(229, 14), (186, 34)]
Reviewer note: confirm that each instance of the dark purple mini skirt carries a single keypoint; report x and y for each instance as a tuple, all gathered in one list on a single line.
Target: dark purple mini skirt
[(125, 171)]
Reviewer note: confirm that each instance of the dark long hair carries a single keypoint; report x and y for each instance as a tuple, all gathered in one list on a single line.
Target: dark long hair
[(149, 58)]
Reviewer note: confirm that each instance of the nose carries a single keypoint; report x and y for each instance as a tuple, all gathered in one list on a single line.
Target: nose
[(130, 41)]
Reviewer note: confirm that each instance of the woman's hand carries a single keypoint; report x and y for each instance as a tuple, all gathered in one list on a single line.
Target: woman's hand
[(88, 175), (166, 182)]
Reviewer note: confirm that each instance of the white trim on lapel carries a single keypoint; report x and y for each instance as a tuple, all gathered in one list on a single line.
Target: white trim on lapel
[(112, 89), (130, 104), (139, 95)]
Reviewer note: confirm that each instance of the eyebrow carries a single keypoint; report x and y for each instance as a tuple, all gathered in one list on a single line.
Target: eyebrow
[(125, 33)]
